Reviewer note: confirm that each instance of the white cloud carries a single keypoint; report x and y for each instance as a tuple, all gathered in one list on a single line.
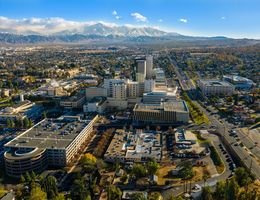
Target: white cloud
[(183, 20), (160, 20), (45, 26), (138, 17), (223, 18), (114, 13)]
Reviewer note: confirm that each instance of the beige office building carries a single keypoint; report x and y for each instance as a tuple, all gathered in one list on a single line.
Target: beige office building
[(164, 113)]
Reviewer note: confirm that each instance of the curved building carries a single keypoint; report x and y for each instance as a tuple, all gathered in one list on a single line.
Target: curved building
[(19, 161), (51, 142)]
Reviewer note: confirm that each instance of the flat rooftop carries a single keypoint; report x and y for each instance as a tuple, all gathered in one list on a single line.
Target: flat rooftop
[(135, 145), (238, 79), (215, 83), (50, 133), (22, 103), (178, 106)]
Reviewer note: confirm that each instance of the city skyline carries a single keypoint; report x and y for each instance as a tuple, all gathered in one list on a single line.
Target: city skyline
[(237, 19)]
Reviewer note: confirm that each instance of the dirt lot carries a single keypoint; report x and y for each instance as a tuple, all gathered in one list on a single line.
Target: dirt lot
[(164, 171)]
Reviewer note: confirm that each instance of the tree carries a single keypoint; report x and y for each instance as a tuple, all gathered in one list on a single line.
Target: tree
[(20, 123), (152, 167), (138, 196), (139, 170), (186, 171), (37, 194), (89, 158), (233, 189), (26, 122), (79, 190), (205, 178), (22, 179), (154, 196), (206, 193), (44, 115), (220, 191), (60, 197), (19, 194), (113, 193), (30, 123), (10, 123), (33, 176), (242, 177), (50, 186), (248, 195), (27, 177)]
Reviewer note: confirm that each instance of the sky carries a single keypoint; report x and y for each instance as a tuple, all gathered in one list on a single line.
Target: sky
[(232, 18)]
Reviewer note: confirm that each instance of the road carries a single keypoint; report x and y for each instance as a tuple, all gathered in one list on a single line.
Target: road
[(249, 143), (223, 129), (177, 190)]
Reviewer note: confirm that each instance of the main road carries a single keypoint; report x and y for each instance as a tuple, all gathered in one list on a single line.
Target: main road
[(223, 128)]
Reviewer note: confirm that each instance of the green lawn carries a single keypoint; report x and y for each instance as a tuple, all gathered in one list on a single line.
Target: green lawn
[(197, 115)]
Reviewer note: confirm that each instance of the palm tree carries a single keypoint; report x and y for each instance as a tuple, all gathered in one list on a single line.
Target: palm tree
[(205, 178)]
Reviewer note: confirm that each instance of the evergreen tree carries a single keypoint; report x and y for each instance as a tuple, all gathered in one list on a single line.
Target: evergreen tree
[(50, 186), (206, 193), (30, 123), (233, 189), (26, 122), (22, 179), (220, 191), (27, 177)]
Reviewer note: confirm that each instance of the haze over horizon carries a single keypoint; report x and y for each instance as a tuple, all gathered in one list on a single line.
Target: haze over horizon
[(235, 18)]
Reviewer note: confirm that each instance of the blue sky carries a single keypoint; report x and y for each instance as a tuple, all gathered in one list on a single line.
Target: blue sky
[(234, 18)]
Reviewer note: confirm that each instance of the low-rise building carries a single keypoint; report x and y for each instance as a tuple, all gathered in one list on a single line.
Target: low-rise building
[(159, 96), (239, 82), (134, 146), (97, 104), (21, 110), (51, 142), (163, 113), (216, 87), (76, 101), (186, 143)]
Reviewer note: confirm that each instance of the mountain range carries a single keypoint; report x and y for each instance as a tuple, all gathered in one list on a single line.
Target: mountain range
[(101, 32)]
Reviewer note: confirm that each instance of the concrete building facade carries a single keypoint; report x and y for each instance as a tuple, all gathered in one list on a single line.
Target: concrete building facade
[(216, 87), (92, 92), (149, 85), (141, 71), (163, 113), (119, 91), (149, 66), (51, 142)]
